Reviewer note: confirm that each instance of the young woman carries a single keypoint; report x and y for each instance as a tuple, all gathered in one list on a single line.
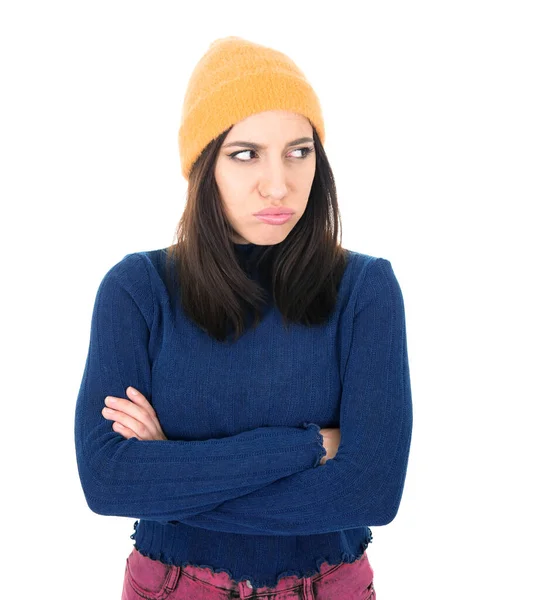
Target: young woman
[(246, 395)]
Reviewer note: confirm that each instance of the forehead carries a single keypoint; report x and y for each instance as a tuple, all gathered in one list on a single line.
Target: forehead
[(272, 124)]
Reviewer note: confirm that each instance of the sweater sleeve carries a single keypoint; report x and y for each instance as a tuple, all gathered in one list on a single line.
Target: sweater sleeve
[(170, 479), (363, 484)]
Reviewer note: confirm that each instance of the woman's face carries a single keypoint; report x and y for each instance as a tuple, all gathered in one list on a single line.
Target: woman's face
[(259, 167)]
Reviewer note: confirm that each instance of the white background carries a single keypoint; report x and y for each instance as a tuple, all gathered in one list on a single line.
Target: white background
[(432, 111)]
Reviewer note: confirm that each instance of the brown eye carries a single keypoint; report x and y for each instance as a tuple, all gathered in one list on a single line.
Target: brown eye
[(307, 149), (234, 155)]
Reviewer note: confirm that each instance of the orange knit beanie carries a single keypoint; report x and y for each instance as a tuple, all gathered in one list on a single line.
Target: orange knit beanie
[(234, 79)]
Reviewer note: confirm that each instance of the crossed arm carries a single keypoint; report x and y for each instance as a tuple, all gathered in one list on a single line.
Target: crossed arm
[(137, 418)]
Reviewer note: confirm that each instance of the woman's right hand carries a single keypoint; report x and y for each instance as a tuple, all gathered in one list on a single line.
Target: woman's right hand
[(331, 441)]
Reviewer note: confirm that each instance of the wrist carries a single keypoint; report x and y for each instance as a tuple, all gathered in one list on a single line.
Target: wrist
[(324, 458)]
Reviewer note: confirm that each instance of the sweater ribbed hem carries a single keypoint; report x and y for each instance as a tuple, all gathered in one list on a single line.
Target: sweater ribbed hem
[(247, 557), (322, 450)]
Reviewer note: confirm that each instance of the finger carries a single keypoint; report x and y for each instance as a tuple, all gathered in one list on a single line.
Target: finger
[(140, 400), (140, 429), (124, 431), (131, 409)]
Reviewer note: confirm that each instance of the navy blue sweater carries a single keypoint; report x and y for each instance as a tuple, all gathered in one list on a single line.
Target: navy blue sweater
[(237, 486)]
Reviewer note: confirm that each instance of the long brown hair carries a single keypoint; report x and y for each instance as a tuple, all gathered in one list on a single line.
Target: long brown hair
[(305, 269)]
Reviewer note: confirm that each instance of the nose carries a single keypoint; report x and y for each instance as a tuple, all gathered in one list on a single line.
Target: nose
[(273, 181)]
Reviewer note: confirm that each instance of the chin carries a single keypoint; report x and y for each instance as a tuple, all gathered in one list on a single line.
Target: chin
[(264, 234)]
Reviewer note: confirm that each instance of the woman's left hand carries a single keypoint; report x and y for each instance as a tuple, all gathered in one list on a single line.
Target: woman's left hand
[(133, 418)]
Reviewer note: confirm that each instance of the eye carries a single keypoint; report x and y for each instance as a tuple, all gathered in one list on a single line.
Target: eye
[(307, 150), (235, 154)]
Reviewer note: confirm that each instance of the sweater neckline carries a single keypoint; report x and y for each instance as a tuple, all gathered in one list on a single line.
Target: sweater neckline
[(245, 247)]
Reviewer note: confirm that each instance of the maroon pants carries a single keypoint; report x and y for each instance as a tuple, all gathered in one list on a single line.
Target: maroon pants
[(153, 580)]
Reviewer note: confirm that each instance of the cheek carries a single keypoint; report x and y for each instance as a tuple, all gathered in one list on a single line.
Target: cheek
[(235, 199), (238, 197), (232, 182)]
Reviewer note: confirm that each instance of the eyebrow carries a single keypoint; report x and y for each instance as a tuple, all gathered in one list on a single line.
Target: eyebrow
[(261, 147)]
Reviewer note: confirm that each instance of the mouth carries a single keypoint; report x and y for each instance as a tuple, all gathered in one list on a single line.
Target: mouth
[(277, 219), (273, 214)]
